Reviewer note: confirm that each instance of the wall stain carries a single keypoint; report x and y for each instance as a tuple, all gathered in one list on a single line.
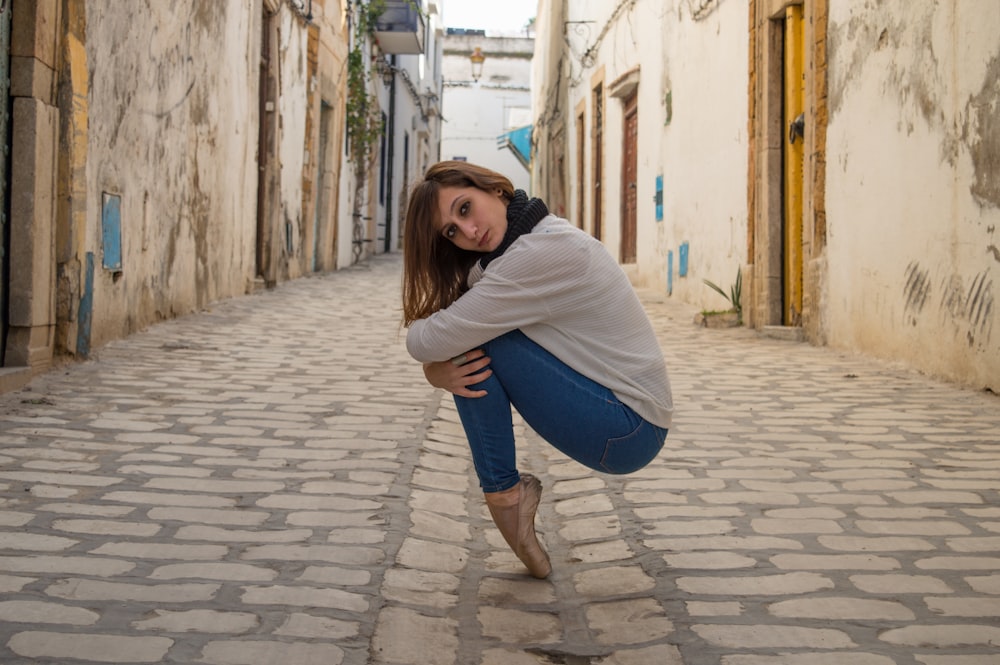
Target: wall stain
[(980, 300), (916, 289), (970, 307), (953, 296), (984, 146), (966, 305), (911, 75), (209, 16), (915, 72), (169, 55)]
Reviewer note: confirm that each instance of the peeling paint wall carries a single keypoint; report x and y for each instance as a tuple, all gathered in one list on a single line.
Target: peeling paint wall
[(138, 124), (172, 131), (913, 184)]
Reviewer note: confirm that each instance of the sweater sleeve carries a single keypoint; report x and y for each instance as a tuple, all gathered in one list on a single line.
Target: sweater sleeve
[(513, 292)]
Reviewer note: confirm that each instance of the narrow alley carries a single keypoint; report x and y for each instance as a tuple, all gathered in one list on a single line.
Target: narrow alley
[(272, 481)]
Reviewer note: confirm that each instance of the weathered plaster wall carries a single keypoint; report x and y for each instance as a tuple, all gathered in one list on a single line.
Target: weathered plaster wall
[(172, 130), (292, 55), (703, 149), (913, 184)]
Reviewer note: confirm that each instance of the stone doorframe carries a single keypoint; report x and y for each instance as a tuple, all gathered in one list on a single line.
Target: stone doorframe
[(34, 66), (762, 283)]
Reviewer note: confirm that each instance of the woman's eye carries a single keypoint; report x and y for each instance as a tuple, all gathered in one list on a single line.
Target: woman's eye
[(450, 232), (464, 209)]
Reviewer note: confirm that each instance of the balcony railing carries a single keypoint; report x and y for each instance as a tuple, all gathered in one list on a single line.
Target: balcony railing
[(400, 28)]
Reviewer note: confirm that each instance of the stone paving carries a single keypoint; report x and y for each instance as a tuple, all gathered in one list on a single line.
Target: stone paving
[(272, 481)]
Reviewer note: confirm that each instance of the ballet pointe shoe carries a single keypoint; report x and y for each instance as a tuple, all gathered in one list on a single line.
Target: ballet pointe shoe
[(513, 511)]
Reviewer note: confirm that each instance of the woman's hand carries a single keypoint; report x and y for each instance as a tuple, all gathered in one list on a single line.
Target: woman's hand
[(457, 375)]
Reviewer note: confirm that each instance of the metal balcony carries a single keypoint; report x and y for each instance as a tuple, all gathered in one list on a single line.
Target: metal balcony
[(400, 28)]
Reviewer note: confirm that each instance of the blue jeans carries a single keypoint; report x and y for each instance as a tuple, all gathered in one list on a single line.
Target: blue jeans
[(580, 417)]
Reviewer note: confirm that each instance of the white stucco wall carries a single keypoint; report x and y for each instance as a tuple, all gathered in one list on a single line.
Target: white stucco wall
[(172, 130), (345, 223), (407, 127), (704, 148), (476, 113), (913, 184)]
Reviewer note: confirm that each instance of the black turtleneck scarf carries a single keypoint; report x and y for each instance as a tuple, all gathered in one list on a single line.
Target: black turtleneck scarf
[(522, 215)]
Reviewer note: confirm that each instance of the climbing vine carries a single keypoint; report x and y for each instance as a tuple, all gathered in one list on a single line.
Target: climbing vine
[(364, 119)]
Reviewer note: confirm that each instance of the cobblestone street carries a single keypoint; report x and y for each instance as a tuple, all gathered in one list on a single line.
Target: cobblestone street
[(272, 482)]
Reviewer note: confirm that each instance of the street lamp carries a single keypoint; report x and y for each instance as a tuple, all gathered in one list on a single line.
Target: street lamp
[(477, 58)]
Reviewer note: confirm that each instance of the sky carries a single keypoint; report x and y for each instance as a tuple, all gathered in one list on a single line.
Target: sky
[(491, 15)]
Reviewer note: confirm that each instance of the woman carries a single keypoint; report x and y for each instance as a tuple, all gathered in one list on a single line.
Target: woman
[(509, 305)]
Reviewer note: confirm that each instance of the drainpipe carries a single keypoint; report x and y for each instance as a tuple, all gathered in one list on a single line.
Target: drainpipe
[(390, 132)]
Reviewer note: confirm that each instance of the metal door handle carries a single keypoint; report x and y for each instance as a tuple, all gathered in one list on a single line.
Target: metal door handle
[(797, 128)]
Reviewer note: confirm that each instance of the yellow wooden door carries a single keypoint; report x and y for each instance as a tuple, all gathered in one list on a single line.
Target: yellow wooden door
[(794, 112)]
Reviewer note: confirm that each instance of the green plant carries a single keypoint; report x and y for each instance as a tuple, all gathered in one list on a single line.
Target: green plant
[(364, 118), (735, 292)]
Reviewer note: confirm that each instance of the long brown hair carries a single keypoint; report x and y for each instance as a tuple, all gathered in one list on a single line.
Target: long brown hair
[(434, 269)]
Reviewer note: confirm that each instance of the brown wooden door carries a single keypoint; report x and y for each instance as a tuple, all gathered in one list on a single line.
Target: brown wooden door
[(630, 135), (598, 156)]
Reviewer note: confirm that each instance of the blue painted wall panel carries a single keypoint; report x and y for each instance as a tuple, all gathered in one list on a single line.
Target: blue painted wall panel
[(658, 198), (670, 272), (111, 231), (85, 313)]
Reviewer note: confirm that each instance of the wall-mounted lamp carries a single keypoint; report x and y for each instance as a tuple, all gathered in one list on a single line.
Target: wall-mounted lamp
[(477, 59), (386, 71)]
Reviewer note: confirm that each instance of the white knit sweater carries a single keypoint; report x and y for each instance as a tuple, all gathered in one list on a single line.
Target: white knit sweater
[(562, 289)]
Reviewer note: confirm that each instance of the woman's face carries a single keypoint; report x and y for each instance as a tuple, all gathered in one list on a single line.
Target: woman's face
[(471, 218)]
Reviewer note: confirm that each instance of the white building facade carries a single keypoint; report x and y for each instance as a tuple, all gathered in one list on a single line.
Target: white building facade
[(842, 157), (479, 112)]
